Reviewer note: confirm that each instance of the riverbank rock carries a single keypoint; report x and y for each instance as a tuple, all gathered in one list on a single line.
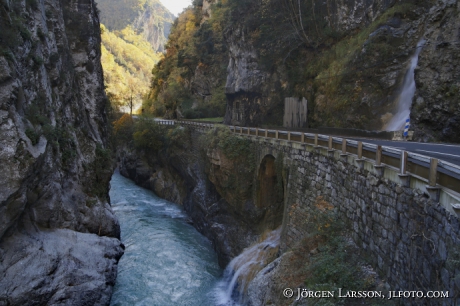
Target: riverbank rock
[(147, 172), (58, 267)]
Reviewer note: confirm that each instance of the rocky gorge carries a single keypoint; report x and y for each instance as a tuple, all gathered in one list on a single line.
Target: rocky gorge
[(59, 239), (213, 189), (283, 214)]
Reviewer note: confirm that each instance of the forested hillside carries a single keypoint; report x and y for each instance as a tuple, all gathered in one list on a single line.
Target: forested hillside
[(133, 37), (149, 18), (193, 70), (127, 59), (348, 60)]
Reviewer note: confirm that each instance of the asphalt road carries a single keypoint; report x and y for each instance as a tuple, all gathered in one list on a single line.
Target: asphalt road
[(447, 152)]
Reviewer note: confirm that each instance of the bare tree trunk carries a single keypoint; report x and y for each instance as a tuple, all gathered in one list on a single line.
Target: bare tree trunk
[(314, 16), (295, 17), (131, 103)]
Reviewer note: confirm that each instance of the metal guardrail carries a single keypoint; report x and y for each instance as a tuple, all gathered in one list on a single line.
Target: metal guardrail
[(436, 172)]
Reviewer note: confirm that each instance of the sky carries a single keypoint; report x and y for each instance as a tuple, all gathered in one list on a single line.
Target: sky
[(176, 6)]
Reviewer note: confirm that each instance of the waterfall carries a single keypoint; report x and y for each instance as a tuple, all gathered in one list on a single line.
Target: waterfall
[(407, 93), (243, 268)]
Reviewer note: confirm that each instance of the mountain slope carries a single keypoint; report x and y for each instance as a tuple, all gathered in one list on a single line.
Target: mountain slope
[(133, 37), (347, 58), (127, 59), (148, 18)]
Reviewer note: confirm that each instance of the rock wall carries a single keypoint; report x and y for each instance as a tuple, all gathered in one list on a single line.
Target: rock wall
[(59, 239), (435, 107), (251, 91)]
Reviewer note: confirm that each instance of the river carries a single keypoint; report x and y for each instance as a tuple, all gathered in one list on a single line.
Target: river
[(166, 260)]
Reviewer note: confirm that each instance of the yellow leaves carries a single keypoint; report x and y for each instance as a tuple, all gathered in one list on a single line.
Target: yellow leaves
[(322, 204), (190, 26), (127, 60), (122, 123), (324, 207)]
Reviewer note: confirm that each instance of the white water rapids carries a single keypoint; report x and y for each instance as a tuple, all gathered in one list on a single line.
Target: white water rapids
[(167, 262), (243, 268), (398, 120)]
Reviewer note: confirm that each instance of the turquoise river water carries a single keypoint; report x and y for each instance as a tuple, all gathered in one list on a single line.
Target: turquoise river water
[(166, 261)]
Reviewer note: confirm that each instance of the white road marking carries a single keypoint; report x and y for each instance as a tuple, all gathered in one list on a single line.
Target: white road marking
[(398, 148), (434, 152), (437, 144)]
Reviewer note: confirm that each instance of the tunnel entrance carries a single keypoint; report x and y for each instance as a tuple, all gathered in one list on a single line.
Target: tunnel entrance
[(270, 193)]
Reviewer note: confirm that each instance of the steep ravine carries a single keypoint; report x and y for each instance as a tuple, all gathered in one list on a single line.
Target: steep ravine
[(216, 191), (59, 239)]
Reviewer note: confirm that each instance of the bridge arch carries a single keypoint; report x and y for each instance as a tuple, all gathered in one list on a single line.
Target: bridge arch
[(270, 192)]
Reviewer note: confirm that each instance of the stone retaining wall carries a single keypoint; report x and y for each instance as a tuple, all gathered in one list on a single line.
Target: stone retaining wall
[(412, 240)]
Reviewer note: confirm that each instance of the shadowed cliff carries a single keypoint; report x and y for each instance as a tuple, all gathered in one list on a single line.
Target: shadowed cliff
[(59, 239)]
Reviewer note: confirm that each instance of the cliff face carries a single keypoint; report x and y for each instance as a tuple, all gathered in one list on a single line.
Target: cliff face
[(155, 24), (55, 219), (347, 58), (435, 107), (251, 91)]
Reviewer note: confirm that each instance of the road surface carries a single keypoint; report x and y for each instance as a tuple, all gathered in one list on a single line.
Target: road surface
[(447, 152)]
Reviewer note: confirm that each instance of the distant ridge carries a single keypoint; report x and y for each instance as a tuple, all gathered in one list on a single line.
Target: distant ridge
[(149, 18)]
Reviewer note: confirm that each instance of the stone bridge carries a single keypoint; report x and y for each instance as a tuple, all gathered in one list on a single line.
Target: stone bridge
[(399, 213)]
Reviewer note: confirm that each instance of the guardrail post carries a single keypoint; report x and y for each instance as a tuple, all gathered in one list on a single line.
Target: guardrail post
[(241, 130), (257, 132), (266, 133), (249, 131), (289, 136), (432, 189), (316, 147), (378, 156), (330, 151), (343, 155), (405, 178), (276, 134), (433, 172), (360, 160), (378, 162), (302, 137), (403, 167)]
